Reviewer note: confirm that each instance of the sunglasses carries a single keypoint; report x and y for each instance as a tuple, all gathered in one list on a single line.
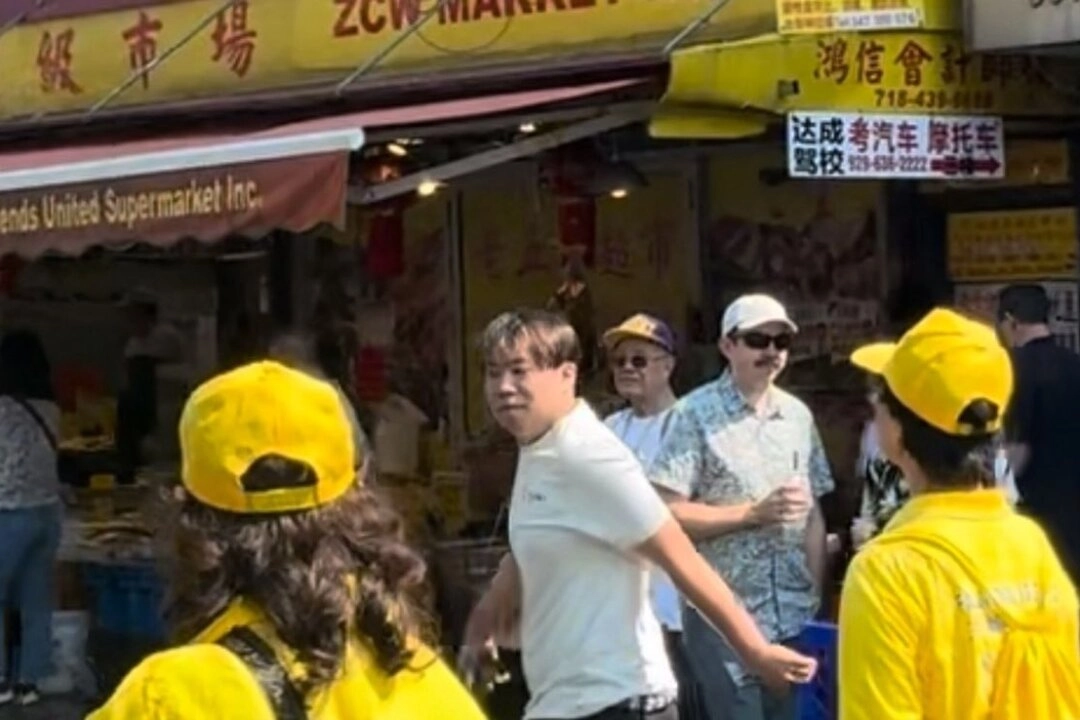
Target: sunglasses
[(638, 362), (761, 341)]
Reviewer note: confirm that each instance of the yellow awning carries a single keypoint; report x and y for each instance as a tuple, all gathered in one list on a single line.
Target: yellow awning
[(675, 121), (897, 72)]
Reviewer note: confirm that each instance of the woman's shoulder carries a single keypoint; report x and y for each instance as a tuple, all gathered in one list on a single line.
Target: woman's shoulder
[(14, 411), (173, 684)]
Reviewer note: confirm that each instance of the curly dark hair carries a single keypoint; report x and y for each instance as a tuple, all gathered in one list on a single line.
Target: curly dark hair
[(298, 569)]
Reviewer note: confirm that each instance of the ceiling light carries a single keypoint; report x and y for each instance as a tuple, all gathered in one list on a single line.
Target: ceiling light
[(397, 149), (609, 178), (527, 128), (427, 188)]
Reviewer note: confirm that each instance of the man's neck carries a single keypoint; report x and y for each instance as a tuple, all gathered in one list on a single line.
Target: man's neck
[(564, 410), (1030, 333), (648, 406), (755, 394)]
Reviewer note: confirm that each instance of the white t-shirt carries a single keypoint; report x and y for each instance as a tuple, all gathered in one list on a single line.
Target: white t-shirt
[(645, 436), (580, 504)]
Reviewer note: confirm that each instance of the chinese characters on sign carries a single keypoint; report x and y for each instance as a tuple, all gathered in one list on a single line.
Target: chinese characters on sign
[(821, 16), (54, 62), (911, 73), (234, 40), (843, 145), (141, 39), (1013, 245)]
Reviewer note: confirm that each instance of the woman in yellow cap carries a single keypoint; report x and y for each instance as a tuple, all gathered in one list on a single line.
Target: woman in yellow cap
[(291, 585), (960, 608)]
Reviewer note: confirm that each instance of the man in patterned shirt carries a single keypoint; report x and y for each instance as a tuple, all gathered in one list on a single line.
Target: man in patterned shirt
[(743, 468)]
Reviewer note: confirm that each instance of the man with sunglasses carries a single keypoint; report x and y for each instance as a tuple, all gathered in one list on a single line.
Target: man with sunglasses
[(742, 469), (641, 354)]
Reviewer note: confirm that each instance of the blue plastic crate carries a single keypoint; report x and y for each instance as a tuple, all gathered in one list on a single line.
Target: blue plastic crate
[(127, 600), (818, 699)]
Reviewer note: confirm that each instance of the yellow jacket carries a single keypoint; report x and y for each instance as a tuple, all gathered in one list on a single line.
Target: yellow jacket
[(916, 641), (205, 680)]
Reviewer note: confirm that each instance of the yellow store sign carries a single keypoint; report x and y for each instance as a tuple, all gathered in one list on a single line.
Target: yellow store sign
[(68, 64), (1013, 245), (897, 72)]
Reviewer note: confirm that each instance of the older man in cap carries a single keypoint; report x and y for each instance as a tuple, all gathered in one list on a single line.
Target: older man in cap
[(743, 467), (641, 354)]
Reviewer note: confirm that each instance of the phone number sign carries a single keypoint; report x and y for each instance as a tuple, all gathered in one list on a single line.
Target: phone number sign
[(851, 145)]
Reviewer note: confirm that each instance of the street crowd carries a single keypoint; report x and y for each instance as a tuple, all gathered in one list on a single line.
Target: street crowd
[(664, 560)]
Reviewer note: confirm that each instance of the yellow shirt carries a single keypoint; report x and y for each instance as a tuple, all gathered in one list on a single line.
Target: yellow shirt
[(915, 640), (205, 680)]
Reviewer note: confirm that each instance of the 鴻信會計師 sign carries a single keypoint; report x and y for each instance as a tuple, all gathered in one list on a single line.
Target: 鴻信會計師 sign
[(851, 145)]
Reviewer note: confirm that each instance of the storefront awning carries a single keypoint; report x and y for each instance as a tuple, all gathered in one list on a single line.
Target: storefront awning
[(917, 73), (208, 187)]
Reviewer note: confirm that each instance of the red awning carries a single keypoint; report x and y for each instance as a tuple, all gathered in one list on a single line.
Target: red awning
[(208, 186)]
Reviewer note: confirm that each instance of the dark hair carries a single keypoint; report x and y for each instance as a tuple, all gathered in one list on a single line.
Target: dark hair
[(551, 340), (24, 367), (948, 461), (1027, 304), (317, 575)]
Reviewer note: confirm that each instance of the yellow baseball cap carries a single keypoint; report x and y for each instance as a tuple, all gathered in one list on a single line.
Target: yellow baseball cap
[(942, 365), (263, 409), (641, 327)]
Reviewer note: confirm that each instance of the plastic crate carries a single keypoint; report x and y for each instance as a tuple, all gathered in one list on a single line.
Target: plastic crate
[(818, 699), (126, 600)]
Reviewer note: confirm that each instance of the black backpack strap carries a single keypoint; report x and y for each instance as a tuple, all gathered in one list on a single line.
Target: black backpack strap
[(38, 419), (260, 659)]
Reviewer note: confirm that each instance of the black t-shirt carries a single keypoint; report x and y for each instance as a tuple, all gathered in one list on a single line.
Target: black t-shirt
[(1045, 416)]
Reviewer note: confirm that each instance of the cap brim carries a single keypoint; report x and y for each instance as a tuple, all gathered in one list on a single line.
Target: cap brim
[(616, 335), (873, 358), (787, 322)]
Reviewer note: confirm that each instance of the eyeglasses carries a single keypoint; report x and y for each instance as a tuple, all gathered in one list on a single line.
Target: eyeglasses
[(761, 341), (638, 362)]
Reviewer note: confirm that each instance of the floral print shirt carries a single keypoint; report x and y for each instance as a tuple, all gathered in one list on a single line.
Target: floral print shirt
[(28, 474), (720, 451)]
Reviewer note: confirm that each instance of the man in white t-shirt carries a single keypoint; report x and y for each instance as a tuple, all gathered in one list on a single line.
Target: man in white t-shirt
[(641, 354), (584, 524)]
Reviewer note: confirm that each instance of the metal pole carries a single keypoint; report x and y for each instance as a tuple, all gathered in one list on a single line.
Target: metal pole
[(19, 17), (389, 48), (694, 26), (160, 59)]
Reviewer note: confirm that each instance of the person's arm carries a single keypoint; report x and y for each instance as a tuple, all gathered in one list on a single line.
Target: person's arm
[(703, 522), (878, 645), (1020, 416), (817, 556), (670, 549), (498, 609), (821, 484), (621, 509)]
